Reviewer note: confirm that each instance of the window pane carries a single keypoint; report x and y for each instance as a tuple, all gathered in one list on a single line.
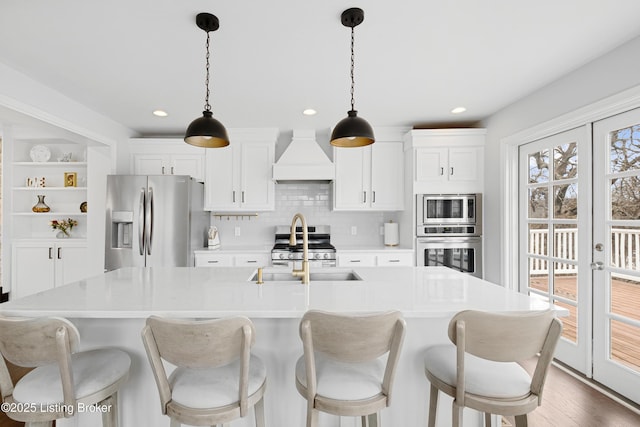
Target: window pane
[(539, 280), (539, 167), (565, 161), (624, 150), (565, 241), (569, 324), (625, 247), (538, 202), (538, 239), (625, 342), (625, 294), (565, 281), (625, 198), (565, 201)]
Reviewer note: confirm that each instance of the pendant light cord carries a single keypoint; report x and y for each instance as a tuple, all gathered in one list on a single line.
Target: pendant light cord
[(207, 106), (352, 67)]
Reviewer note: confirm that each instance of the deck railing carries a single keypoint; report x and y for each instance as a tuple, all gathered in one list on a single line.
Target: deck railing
[(625, 249)]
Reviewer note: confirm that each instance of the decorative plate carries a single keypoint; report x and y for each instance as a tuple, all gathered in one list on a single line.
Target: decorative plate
[(83, 207), (40, 153)]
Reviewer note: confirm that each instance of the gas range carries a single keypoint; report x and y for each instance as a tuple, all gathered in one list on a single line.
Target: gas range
[(321, 252)]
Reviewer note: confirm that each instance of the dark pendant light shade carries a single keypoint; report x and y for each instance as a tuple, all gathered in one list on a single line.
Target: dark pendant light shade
[(206, 131), (352, 131)]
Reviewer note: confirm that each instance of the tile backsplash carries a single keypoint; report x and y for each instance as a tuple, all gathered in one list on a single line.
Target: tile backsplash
[(313, 200)]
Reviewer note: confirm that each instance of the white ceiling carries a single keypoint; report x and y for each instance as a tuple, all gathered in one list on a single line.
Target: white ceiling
[(415, 60)]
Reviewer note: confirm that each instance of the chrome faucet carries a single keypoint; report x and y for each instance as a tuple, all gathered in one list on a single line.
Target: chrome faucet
[(304, 271)]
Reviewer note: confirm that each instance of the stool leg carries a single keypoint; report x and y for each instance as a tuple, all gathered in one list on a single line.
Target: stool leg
[(487, 419), (312, 416), (457, 414), (374, 421), (433, 405), (364, 422), (110, 416), (174, 423), (259, 411), (39, 424), (521, 420)]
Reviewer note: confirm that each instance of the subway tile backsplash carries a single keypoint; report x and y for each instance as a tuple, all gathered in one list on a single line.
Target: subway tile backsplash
[(313, 200)]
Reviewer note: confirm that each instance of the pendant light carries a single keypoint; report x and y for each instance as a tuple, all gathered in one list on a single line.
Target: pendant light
[(206, 131), (352, 131)]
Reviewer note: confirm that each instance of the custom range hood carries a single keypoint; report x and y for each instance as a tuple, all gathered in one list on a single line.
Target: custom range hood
[(303, 160)]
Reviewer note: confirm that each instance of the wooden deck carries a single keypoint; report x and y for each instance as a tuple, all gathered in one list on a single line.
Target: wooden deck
[(625, 301)]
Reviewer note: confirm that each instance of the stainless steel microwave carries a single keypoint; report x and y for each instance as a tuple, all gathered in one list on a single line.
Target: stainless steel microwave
[(447, 210)]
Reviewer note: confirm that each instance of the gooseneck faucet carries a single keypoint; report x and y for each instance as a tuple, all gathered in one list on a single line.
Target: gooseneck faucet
[(304, 271)]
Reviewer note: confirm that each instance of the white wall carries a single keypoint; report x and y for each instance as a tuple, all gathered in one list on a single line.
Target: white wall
[(614, 72)]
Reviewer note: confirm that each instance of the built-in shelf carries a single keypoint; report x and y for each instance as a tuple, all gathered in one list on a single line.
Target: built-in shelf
[(43, 214), (50, 188), (60, 164)]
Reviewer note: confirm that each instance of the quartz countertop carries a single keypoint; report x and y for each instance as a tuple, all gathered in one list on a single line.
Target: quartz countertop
[(138, 292)]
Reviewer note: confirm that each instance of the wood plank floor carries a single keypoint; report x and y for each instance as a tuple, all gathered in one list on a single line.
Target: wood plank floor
[(568, 402)]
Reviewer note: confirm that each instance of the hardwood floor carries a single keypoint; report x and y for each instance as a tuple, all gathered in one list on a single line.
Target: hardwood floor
[(568, 402)]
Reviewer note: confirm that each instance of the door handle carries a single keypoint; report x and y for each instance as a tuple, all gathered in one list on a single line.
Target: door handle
[(59, 255), (233, 196), (149, 220), (141, 224), (598, 265), (50, 253), (242, 196), (364, 197), (373, 200), (441, 171), (451, 171), (162, 170), (171, 170)]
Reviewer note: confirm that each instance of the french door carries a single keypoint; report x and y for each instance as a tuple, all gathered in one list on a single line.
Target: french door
[(554, 230), (616, 253)]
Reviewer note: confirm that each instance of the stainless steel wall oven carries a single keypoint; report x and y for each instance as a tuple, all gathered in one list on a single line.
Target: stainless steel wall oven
[(449, 231)]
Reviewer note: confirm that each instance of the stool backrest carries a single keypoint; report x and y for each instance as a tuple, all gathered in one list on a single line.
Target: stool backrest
[(353, 338), (503, 337), (202, 343), (35, 342)]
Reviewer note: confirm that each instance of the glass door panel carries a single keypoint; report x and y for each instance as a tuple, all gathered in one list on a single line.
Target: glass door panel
[(616, 255)]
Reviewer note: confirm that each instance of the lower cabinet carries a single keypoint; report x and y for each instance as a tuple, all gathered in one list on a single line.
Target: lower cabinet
[(375, 259), (217, 259), (42, 265)]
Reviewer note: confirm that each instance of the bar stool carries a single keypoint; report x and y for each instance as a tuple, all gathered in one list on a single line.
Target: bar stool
[(480, 370), (216, 378), (64, 380), (341, 371)]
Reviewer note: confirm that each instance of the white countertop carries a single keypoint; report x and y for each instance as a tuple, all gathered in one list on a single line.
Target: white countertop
[(216, 292)]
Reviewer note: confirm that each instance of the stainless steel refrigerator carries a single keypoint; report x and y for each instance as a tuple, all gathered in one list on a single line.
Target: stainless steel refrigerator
[(154, 220)]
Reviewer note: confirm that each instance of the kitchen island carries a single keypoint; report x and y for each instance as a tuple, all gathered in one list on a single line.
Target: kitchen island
[(110, 310)]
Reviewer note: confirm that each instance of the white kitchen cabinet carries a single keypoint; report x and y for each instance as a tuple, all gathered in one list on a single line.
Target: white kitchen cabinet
[(41, 265), (373, 258), (369, 178), (217, 259), (239, 177), (448, 160), (168, 156), (169, 164)]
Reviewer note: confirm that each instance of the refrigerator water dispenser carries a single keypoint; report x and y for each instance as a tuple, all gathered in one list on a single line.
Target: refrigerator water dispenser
[(122, 229)]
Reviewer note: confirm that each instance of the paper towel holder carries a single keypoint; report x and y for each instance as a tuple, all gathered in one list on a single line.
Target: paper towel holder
[(391, 233)]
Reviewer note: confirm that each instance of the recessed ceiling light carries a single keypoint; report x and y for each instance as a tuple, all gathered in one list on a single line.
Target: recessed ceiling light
[(160, 113), (309, 112), (458, 110)]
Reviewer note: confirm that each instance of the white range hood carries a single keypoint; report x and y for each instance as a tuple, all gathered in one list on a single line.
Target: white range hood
[(303, 160)]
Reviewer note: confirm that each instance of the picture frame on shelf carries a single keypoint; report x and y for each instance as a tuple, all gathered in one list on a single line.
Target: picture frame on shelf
[(70, 179)]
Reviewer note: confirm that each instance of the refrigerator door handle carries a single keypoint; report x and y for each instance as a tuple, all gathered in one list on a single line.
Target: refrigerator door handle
[(141, 224), (149, 220)]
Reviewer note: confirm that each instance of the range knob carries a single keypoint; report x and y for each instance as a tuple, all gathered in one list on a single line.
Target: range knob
[(282, 256), (326, 256), (290, 256), (317, 256)]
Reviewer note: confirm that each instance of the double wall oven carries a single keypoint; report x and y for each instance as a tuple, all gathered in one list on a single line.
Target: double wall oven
[(449, 231)]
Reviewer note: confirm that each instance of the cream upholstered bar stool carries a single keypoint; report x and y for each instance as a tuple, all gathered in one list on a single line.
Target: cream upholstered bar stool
[(64, 380), (480, 370), (216, 379), (342, 371)]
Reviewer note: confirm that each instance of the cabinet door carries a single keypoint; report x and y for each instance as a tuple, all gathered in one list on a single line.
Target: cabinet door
[(257, 186), (395, 259), (188, 164), (71, 264), (431, 164), (220, 185), (214, 260), (356, 260), (463, 164), (387, 185), (33, 270), (150, 164), (352, 185), (253, 260)]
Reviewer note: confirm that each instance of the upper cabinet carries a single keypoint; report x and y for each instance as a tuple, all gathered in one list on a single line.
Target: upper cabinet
[(239, 177), (447, 160), (369, 178), (169, 156)]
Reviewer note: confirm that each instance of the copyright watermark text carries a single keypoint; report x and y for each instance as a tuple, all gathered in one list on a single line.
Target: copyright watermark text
[(54, 408)]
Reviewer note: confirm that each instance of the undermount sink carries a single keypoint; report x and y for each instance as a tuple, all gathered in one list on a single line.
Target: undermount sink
[(314, 276)]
